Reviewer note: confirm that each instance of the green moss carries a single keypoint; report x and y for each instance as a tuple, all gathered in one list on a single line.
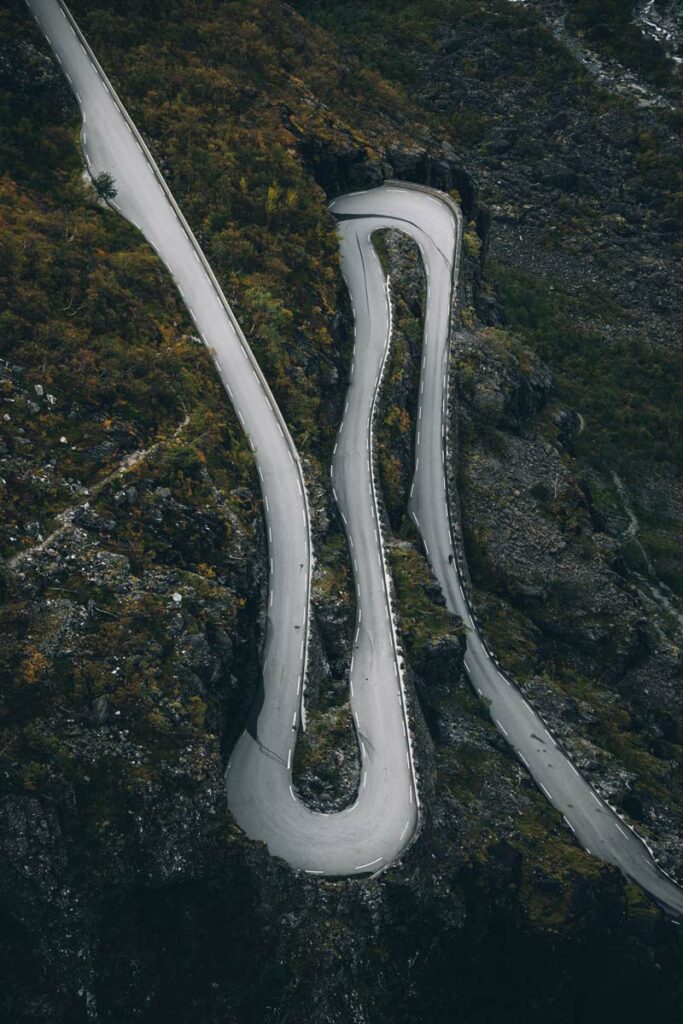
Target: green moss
[(472, 241), (423, 620), (660, 535), (510, 631), (630, 401), (328, 740), (396, 419), (333, 578)]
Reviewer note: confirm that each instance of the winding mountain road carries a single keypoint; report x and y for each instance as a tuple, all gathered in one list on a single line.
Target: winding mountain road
[(371, 833)]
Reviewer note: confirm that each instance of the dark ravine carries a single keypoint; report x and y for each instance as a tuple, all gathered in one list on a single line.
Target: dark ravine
[(129, 894)]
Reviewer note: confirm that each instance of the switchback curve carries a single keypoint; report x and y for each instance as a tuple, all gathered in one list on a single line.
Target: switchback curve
[(376, 828)]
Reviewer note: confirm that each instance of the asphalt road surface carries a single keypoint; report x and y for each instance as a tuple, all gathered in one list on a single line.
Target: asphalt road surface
[(383, 819), (375, 829), (435, 224)]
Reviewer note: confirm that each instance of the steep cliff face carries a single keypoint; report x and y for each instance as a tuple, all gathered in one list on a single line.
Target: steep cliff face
[(134, 560)]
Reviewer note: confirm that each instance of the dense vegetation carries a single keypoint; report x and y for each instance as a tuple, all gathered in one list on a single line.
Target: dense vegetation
[(228, 112)]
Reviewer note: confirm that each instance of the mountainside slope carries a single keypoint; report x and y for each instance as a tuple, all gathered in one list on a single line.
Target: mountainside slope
[(134, 558), (570, 472)]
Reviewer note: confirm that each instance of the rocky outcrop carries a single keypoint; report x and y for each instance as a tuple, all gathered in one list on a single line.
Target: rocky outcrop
[(340, 170), (550, 578)]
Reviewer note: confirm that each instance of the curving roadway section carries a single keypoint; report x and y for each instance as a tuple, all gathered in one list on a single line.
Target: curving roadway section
[(435, 223), (376, 828)]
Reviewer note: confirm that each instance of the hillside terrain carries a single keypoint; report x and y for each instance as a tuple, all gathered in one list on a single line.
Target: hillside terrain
[(133, 557)]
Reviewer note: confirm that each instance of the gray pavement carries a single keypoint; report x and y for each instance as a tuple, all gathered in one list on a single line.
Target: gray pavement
[(435, 224), (376, 828)]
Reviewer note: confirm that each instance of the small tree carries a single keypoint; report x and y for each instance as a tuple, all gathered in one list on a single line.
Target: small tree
[(105, 186)]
